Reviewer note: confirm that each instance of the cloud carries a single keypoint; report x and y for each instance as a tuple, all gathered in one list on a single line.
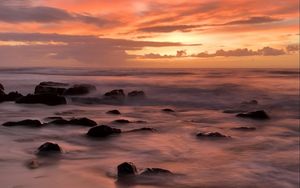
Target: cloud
[(167, 28), (253, 20), (292, 48), (42, 14), (90, 50)]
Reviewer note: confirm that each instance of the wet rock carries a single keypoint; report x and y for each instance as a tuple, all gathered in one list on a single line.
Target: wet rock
[(117, 94), (47, 99), (102, 131), (244, 128), (27, 123), (54, 88), (114, 112), (74, 121), (80, 89), (136, 95), (211, 135), (13, 96), (258, 115), (121, 121), (144, 129), (168, 110), (126, 169), (49, 148), (156, 172)]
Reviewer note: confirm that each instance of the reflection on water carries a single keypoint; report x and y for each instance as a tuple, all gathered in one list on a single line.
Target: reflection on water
[(266, 157)]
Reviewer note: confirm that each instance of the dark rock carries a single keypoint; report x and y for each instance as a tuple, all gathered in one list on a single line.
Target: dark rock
[(121, 121), (13, 96), (80, 89), (47, 99), (1, 87), (126, 169), (244, 128), (102, 131), (117, 94), (156, 172), (167, 110), (211, 135), (49, 148), (74, 121), (259, 115), (27, 123), (114, 112), (136, 95), (54, 88), (144, 129)]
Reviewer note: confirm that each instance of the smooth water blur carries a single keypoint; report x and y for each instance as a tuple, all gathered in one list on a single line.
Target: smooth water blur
[(267, 157)]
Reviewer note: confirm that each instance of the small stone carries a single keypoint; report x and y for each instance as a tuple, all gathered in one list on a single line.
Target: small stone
[(114, 112), (258, 115), (49, 148), (126, 169), (102, 131)]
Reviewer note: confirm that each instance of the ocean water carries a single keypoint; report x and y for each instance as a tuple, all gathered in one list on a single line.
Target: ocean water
[(266, 157)]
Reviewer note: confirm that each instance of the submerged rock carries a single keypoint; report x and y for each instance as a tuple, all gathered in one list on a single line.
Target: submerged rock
[(126, 169), (27, 123), (259, 115), (47, 99), (54, 88), (117, 94), (167, 110), (144, 129), (136, 95), (211, 135), (244, 128), (102, 131), (121, 121), (80, 89), (49, 148), (156, 172), (74, 121), (114, 112)]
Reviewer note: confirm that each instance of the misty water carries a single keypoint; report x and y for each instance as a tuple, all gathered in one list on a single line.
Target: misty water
[(266, 157)]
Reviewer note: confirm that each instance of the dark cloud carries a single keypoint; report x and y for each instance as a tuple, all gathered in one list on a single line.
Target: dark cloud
[(23, 13), (168, 28), (253, 20), (83, 49)]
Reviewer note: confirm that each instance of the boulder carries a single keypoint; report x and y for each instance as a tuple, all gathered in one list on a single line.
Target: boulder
[(114, 112), (121, 121), (49, 148), (211, 135), (54, 88), (117, 94), (136, 95), (126, 169), (13, 96), (80, 89), (102, 131), (244, 128), (258, 115), (74, 121), (156, 172), (27, 123), (47, 99), (168, 110)]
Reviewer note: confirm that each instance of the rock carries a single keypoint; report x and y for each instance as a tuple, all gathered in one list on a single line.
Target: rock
[(80, 89), (156, 172), (167, 110), (27, 123), (102, 131), (136, 95), (121, 121), (244, 128), (1, 87), (144, 129), (126, 169), (114, 112), (54, 88), (258, 115), (47, 99), (117, 94), (211, 135), (74, 121), (13, 96), (49, 148)]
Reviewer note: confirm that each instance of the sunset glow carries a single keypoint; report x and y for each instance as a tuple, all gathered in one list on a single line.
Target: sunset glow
[(150, 33)]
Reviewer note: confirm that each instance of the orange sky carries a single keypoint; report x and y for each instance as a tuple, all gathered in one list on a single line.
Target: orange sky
[(144, 33)]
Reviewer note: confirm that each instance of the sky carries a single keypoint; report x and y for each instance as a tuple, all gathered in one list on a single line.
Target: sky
[(150, 33)]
